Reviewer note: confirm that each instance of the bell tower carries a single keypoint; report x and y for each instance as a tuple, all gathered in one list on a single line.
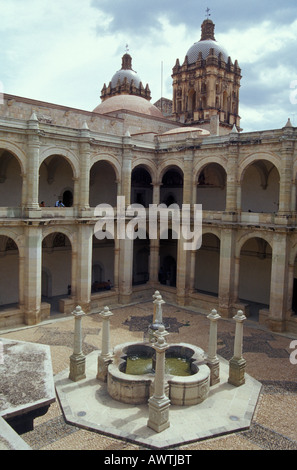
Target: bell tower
[(206, 86)]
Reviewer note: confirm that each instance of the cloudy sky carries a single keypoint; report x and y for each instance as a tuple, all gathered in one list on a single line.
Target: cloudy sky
[(64, 51)]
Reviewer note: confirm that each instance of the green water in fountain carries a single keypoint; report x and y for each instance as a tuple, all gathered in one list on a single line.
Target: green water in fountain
[(137, 365)]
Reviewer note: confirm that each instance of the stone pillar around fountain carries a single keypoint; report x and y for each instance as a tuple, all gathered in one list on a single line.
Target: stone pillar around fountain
[(157, 315), (159, 403), (156, 294), (237, 363), (77, 360), (212, 359), (106, 356)]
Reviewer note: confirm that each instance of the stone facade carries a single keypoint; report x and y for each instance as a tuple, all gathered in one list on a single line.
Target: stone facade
[(246, 183)]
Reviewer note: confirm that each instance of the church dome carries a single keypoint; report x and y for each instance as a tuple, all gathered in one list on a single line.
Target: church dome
[(125, 82), (206, 43), (128, 74), (129, 103)]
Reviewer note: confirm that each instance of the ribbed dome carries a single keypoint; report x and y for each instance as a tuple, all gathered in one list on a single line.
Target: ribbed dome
[(129, 103), (206, 43), (122, 74), (204, 47), (126, 81)]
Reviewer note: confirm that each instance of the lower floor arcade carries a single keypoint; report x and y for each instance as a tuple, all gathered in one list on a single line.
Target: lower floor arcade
[(49, 269)]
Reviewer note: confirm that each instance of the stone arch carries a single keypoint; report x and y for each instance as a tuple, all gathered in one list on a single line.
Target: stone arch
[(141, 185), (110, 159), (9, 269), (104, 180), (245, 237), (17, 152), (103, 255), (201, 164), (60, 229), (56, 265), (254, 157), (260, 181), (16, 237), (211, 184), (57, 172), (191, 101), (11, 176), (70, 156), (167, 165), (254, 277), (172, 181), (168, 259), (148, 165)]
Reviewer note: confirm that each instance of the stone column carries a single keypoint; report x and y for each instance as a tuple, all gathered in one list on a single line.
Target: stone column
[(125, 270), (32, 208), (155, 295), (188, 174), (231, 184), (285, 184), (227, 272), (156, 193), (32, 274), (212, 359), (192, 271), (157, 316), (77, 360), (237, 363), (279, 282), (106, 356), (84, 180), (127, 169), (84, 265), (159, 403), (116, 264), (154, 261), (158, 302), (182, 272)]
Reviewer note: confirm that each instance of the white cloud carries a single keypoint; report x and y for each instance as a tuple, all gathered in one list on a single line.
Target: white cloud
[(63, 52), (253, 44)]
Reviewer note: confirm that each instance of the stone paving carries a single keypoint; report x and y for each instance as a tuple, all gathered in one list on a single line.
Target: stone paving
[(268, 361)]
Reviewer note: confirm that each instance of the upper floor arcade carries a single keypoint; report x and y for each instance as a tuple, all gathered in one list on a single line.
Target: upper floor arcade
[(247, 178)]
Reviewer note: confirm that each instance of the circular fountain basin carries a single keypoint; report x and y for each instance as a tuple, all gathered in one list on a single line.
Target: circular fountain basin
[(131, 375)]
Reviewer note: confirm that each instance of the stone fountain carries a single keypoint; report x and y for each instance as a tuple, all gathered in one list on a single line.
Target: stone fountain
[(156, 393), (132, 374)]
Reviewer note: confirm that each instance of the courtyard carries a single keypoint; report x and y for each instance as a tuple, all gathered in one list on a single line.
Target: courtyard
[(267, 356)]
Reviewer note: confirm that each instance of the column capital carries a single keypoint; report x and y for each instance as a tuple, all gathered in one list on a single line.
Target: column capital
[(213, 316), (240, 316), (78, 312), (105, 313)]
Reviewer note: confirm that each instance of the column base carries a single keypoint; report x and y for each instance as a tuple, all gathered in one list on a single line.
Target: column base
[(77, 367), (32, 317), (102, 369), (32, 212), (237, 371), (214, 372), (180, 299), (125, 299), (276, 325), (158, 413)]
